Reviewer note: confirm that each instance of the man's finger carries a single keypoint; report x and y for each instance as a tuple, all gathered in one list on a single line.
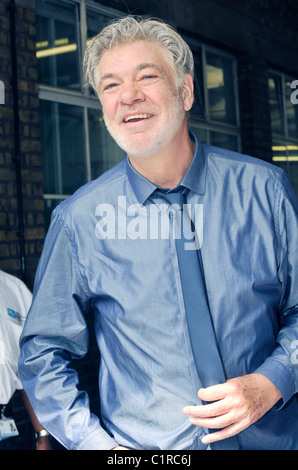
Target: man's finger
[(217, 408), (213, 393), (216, 422), (222, 434)]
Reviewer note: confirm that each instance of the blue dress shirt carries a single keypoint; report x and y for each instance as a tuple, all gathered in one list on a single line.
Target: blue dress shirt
[(105, 249)]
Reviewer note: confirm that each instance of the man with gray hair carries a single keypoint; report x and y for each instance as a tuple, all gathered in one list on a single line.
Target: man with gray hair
[(198, 336)]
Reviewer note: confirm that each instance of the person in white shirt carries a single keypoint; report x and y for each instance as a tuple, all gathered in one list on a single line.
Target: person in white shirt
[(15, 301)]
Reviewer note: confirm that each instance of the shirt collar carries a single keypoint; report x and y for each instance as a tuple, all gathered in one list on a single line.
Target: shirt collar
[(194, 178)]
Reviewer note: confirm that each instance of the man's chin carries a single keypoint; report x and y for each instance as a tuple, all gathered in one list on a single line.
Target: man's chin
[(138, 150), (140, 153)]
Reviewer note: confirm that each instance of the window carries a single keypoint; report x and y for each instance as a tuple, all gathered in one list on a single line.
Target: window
[(75, 143), (57, 45), (214, 116), (284, 124), (63, 141)]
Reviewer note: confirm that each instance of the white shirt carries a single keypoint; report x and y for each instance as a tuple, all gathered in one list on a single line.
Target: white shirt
[(15, 301)]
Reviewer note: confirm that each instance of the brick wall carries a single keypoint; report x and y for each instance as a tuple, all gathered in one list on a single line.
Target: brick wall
[(29, 145), (27, 151)]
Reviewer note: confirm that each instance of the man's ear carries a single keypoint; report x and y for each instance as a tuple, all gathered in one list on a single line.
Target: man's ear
[(188, 92)]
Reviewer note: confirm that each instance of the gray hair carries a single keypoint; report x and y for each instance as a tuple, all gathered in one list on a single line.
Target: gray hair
[(129, 29)]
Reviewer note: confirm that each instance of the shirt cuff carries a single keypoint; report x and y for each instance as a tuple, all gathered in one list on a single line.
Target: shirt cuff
[(278, 373), (97, 440)]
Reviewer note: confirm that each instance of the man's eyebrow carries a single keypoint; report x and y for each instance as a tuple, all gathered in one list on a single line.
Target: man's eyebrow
[(148, 65), (139, 68), (106, 76)]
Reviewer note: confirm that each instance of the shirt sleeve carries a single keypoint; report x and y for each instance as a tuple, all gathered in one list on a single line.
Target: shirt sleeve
[(282, 366), (55, 333)]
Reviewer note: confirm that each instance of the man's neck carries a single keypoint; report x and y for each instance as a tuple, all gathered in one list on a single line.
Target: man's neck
[(167, 168)]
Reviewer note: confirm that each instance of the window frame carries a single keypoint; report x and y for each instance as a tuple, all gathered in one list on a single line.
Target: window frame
[(204, 122), (284, 136)]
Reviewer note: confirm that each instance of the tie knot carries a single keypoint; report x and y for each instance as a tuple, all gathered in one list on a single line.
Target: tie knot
[(175, 197)]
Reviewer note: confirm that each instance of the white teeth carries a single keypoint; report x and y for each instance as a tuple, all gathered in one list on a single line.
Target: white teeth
[(137, 116)]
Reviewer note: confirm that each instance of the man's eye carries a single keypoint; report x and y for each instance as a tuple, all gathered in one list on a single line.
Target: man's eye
[(109, 86), (148, 77)]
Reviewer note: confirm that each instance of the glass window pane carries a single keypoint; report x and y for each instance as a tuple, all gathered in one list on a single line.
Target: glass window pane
[(293, 166), (63, 147), (104, 151), (220, 85), (279, 158), (286, 157), (57, 45), (291, 111), (276, 103), (96, 22)]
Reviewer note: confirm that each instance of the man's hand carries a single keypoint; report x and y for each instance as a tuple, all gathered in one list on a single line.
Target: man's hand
[(238, 403)]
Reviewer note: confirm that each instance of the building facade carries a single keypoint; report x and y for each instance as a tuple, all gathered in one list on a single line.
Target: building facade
[(52, 135)]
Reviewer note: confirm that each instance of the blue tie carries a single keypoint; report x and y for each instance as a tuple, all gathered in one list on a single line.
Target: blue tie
[(201, 331)]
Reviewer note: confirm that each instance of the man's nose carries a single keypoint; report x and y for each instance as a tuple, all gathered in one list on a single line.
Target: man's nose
[(130, 93)]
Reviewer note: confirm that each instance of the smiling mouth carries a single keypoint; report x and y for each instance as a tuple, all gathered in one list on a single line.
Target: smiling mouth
[(137, 118)]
